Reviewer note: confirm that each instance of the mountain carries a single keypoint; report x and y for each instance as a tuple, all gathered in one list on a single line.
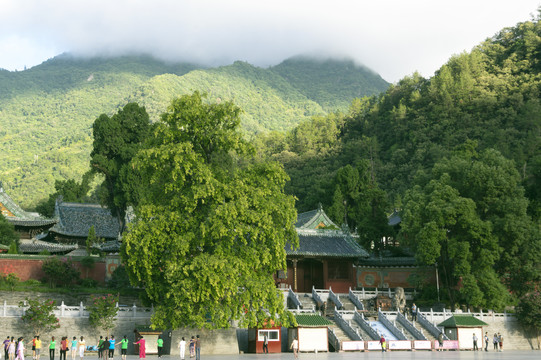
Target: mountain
[(47, 111)]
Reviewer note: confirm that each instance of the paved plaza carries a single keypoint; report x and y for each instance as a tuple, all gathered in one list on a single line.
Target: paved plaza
[(463, 355)]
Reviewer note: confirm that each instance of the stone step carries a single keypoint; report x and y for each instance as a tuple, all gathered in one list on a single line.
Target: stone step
[(348, 304), (423, 330)]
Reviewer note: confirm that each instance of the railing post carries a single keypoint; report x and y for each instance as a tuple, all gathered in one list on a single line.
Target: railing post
[(134, 310), (62, 308), (481, 313), (363, 294), (81, 309), (432, 315), (389, 291)]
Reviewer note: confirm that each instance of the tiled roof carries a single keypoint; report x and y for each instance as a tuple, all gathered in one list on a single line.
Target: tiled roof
[(394, 219), (462, 321), (328, 243), (110, 246), (36, 246), (312, 219), (17, 216), (307, 320), (75, 220)]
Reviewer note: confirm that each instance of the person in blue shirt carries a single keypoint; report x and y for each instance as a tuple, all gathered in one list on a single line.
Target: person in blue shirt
[(112, 347)]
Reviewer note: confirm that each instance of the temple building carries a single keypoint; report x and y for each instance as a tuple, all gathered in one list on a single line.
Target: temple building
[(74, 221), (27, 224), (325, 257)]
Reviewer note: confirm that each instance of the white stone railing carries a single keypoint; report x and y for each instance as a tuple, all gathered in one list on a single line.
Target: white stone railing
[(439, 316), (370, 294), (64, 311)]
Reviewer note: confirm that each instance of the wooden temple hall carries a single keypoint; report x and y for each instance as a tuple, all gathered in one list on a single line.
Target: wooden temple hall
[(325, 257), (27, 224)]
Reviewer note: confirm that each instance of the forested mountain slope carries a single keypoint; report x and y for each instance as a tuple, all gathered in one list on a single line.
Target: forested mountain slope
[(47, 112), (490, 95)]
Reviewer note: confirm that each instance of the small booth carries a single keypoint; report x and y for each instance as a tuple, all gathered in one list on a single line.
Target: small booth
[(256, 339), (151, 340), (311, 332), (461, 328)]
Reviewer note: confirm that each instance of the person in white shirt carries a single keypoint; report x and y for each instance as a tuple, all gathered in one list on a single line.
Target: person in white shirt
[(182, 347)]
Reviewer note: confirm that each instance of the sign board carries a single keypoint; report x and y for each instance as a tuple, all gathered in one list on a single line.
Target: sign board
[(373, 345), (447, 345), (353, 345), (422, 344), (313, 339), (399, 344)]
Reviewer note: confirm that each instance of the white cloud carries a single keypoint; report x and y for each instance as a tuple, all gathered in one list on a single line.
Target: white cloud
[(393, 37)]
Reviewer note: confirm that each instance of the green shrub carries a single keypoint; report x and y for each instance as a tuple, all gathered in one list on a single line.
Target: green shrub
[(44, 252), (88, 283), (60, 272), (119, 279)]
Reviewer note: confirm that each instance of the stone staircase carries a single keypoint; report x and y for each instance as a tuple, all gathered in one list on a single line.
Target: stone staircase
[(348, 304), (409, 335), (357, 327), (307, 301), (423, 330)]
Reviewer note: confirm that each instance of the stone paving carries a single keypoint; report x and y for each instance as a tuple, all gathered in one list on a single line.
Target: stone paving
[(463, 355)]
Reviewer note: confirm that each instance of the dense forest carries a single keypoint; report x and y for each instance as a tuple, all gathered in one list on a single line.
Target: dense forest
[(47, 111), (457, 155)]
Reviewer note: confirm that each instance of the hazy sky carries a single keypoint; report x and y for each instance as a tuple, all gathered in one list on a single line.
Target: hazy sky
[(392, 37)]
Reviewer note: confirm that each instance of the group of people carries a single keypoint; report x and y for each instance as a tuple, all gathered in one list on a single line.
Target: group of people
[(194, 347), (15, 349), (497, 341)]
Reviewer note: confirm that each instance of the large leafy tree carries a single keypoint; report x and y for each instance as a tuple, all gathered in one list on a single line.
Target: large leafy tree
[(212, 224), (469, 216), (116, 141), (360, 203), (8, 235)]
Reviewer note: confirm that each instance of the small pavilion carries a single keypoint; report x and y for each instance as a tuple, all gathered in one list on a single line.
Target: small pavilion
[(325, 256)]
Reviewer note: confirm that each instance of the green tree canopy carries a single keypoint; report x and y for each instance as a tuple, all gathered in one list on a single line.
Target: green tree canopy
[(117, 139), (212, 224), (8, 235), (469, 216), (361, 203)]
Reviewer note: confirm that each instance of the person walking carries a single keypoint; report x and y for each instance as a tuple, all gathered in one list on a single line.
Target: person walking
[(38, 347), (440, 341), (500, 340), (265, 344), (6, 348), (82, 348), (160, 346), (197, 348), (34, 348), (112, 344), (124, 347), (20, 349), (63, 347), (105, 348), (414, 312), (495, 341), (52, 347), (142, 349), (100, 349), (382, 343), (295, 347), (474, 338), (486, 341), (73, 348), (182, 347), (11, 350), (192, 347)]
